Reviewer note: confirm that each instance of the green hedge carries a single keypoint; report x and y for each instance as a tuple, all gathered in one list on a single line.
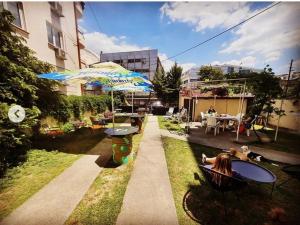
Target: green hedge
[(77, 105)]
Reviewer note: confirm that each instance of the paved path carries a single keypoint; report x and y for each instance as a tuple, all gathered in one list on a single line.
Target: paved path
[(148, 199), (219, 142), (54, 203)]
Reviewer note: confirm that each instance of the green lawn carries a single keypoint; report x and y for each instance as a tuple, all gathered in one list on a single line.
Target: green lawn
[(286, 142), (170, 125), (206, 206), (103, 201), (23, 181)]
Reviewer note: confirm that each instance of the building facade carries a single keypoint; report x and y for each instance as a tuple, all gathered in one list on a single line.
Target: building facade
[(228, 69), (190, 78), (88, 57), (50, 30), (144, 61)]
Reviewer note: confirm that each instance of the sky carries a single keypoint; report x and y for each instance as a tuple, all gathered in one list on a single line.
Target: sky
[(271, 38)]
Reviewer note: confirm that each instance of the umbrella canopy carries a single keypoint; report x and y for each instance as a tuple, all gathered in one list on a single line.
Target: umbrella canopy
[(110, 75)]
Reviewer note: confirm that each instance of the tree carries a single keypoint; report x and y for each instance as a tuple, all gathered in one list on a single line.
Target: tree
[(18, 85), (265, 87), (210, 73), (173, 79), (160, 85), (167, 86)]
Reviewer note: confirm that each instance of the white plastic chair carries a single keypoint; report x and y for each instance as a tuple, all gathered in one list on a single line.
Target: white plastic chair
[(169, 114), (203, 119), (212, 123)]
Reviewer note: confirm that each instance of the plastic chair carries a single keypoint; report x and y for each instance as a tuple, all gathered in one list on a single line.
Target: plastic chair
[(169, 114), (212, 123)]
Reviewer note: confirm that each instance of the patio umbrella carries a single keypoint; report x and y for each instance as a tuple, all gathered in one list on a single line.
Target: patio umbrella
[(110, 75)]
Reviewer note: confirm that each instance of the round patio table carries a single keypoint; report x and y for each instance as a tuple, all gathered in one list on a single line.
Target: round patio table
[(121, 142), (254, 172)]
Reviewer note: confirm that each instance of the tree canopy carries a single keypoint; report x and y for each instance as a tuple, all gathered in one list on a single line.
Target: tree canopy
[(167, 85), (210, 73), (19, 84)]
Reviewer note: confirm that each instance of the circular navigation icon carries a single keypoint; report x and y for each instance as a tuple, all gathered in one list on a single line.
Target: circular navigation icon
[(16, 114)]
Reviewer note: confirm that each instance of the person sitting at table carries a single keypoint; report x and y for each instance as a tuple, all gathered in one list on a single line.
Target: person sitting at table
[(221, 164), (211, 110)]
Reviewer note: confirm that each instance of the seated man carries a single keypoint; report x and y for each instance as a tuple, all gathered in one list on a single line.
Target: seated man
[(211, 110)]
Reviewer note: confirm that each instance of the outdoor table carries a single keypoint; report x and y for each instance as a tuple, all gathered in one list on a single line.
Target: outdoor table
[(254, 172), (121, 142), (137, 120)]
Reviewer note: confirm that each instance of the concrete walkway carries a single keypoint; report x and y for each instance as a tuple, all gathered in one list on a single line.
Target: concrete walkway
[(148, 198), (54, 203), (197, 137)]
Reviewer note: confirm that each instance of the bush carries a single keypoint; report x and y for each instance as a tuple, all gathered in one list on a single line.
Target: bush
[(68, 127), (80, 104)]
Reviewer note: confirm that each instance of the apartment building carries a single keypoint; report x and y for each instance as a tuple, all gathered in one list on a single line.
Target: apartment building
[(144, 61), (50, 30)]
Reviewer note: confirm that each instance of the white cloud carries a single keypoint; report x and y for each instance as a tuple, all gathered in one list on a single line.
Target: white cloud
[(269, 34), (205, 15), (97, 42), (248, 61), (167, 64)]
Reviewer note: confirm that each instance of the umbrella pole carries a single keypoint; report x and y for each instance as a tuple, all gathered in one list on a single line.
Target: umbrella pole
[(112, 108), (132, 102)]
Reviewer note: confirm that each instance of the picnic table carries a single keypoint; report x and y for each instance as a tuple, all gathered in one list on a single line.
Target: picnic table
[(121, 142)]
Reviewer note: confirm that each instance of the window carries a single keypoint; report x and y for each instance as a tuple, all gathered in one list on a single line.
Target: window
[(55, 36), (138, 60), (118, 61), (16, 9), (130, 60), (142, 70)]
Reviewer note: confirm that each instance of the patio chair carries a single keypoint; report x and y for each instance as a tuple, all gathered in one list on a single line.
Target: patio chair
[(248, 128), (203, 119), (222, 183), (212, 124), (169, 114), (179, 116)]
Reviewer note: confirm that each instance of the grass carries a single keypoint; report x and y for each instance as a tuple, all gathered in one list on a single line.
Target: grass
[(103, 201), (23, 181), (286, 142), (205, 205), (170, 125)]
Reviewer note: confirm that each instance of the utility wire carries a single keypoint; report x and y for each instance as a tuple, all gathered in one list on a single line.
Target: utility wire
[(219, 34), (96, 18)]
